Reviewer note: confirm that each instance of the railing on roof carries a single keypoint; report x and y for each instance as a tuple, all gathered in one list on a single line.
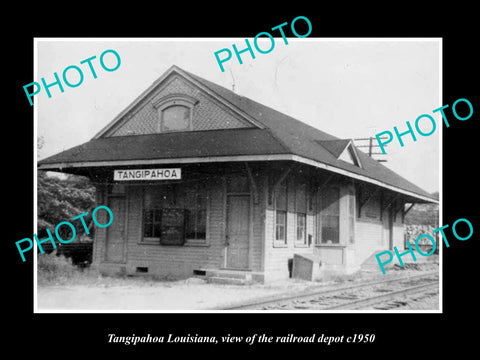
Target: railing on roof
[(372, 145)]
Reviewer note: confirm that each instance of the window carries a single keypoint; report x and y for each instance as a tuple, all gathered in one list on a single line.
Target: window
[(176, 118), (175, 112), (153, 202), (280, 227), (301, 228), (281, 213), (173, 213), (330, 216), (301, 213), (152, 223), (196, 214)]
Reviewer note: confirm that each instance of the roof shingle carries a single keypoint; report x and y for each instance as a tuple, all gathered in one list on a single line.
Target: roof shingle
[(282, 134)]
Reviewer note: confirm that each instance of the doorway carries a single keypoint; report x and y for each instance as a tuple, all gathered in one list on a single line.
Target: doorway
[(115, 245), (237, 231)]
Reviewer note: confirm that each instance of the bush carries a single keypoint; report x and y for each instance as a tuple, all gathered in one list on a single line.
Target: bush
[(56, 269)]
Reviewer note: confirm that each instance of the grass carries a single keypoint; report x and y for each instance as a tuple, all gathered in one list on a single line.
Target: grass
[(59, 270)]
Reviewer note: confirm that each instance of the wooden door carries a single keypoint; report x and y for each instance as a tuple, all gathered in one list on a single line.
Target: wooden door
[(115, 246), (238, 222)]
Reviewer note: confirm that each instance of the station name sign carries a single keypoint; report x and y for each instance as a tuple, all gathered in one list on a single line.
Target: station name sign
[(147, 174)]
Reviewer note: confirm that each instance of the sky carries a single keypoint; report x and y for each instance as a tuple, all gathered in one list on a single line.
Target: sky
[(350, 88)]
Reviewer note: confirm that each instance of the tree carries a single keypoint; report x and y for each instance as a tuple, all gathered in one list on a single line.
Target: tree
[(61, 199), (424, 214)]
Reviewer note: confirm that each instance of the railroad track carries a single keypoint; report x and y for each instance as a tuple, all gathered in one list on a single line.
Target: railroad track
[(357, 296)]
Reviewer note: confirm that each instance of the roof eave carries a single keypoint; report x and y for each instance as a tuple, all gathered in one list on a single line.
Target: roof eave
[(62, 166)]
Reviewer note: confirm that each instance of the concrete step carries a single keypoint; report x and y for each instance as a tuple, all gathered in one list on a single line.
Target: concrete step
[(233, 274), (228, 280)]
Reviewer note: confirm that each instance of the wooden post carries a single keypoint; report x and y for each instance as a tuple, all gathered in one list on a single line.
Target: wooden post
[(253, 184), (274, 187), (381, 205), (406, 211)]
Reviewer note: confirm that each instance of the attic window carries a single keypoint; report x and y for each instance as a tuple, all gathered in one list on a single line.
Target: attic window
[(175, 113), (175, 118), (348, 155)]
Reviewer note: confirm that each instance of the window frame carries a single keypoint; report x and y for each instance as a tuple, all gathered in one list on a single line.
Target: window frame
[(174, 100), (155, 239), (199, 187), (319, 241), (280, 242), (162, 119), (150, 240), (179, 189), (303, 242)]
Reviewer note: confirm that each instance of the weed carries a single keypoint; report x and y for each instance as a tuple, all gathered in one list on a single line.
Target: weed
[(58, 269)]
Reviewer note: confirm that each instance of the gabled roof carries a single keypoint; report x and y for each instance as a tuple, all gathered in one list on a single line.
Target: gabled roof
[(342, 149), (275, 136), (171, 71), (336, 147)]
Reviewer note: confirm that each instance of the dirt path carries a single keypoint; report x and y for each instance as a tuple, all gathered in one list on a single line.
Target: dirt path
[(184, 295), (84, 291), (156, 296)]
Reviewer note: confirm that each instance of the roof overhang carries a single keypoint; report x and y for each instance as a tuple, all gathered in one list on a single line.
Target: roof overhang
[(239, 158)]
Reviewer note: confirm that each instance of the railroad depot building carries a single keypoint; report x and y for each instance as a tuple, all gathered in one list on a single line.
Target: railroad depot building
[(202, 180)]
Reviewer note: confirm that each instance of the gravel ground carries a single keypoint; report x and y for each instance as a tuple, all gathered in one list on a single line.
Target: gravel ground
[(429, 301), (134, 294), (190, 294), (425, 303)]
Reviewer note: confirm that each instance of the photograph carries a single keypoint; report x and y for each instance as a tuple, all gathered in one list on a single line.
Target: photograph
[(272, 174)]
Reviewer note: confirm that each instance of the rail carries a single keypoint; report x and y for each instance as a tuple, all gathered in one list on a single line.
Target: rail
[(325, 299)]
